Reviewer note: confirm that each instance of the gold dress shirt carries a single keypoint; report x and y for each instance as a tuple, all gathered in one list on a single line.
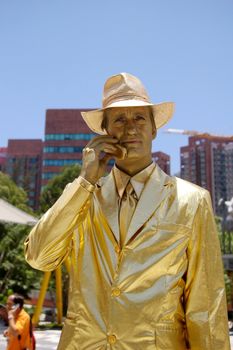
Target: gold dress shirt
[(129, 190), (138, 181), (164, 289)]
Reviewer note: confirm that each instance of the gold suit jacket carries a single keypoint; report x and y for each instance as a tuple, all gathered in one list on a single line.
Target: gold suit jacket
[(163, 290)]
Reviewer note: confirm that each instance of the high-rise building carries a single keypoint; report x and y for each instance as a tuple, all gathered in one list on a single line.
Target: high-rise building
[(23, 165), (66, 134), (208, 162), (229, 169), (163, 160), (3, 154)]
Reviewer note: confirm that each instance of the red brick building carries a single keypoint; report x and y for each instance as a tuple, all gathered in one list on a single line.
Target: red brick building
[(163, 160), (66, 134), (208, 162), (3, 155), (23, 165)]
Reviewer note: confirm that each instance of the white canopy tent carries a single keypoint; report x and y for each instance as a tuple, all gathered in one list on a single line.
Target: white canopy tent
[(11, 214)]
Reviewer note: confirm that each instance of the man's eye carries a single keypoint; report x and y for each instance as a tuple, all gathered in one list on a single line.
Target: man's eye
[(119, 120), (139, 117)]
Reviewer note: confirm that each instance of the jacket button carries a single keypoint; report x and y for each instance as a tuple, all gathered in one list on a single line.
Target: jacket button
[(112, 339), (116, 292)]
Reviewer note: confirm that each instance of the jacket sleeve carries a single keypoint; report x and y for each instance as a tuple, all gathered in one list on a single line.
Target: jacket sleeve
[(49, 242), (205, 299)]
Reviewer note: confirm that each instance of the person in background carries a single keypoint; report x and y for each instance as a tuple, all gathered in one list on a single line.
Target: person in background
[(3, 314), (146, 269), (18, 333)]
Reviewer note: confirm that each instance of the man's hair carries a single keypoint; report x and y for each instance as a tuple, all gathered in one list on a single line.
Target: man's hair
[(104, 123), (18, 299)]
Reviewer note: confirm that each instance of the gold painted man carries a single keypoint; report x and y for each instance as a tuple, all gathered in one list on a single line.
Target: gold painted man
[(146, 264)]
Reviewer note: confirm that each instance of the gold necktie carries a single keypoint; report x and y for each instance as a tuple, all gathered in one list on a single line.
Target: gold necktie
[(127, 208)]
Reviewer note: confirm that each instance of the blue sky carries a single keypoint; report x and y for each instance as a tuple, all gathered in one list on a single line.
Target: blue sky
[(58, 54)]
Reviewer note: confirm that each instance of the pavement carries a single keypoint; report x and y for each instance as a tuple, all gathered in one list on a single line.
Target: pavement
[(45, 340), (48, 340)]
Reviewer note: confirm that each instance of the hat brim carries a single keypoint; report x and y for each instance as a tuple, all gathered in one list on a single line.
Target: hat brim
[(162, 113)]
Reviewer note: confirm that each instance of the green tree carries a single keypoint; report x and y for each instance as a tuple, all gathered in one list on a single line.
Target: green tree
[(228, 287), (13, 194), (226, 243), (15, 274), (55, 187)]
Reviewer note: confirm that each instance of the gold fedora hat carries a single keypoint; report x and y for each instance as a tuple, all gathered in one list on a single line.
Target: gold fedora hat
[(126, 90)]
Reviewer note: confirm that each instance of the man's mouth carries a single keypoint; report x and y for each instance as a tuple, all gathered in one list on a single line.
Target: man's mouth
[(125, 142)]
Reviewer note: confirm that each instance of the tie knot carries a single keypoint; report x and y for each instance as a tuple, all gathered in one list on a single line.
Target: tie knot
[(129, 189), (129, 192)]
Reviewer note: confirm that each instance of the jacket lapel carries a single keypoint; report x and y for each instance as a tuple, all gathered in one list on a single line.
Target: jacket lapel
[(155, 191), (108, 202)]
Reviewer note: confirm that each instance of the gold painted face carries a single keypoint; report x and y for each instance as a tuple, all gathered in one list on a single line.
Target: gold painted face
[(132, 126)]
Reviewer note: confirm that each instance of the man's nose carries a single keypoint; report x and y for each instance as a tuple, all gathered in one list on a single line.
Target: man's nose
[(131, 128)]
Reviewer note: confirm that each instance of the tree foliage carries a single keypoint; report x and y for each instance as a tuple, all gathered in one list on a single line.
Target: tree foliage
[(13, 194), (228, 287), (55, 187), (15, 274)]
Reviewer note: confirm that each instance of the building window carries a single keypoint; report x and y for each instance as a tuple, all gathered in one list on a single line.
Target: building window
[(61, 162), (63, 149), (111, 162), (86, 137), (33, 160), (49, 175)]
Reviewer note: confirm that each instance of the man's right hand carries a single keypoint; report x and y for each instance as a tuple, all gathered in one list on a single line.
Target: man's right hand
[(6, 333), (96, 155)]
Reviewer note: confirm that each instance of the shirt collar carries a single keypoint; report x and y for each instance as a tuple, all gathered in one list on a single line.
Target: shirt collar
[(138, 181)]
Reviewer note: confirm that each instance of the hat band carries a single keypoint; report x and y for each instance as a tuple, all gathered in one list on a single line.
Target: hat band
[(113, 99)]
